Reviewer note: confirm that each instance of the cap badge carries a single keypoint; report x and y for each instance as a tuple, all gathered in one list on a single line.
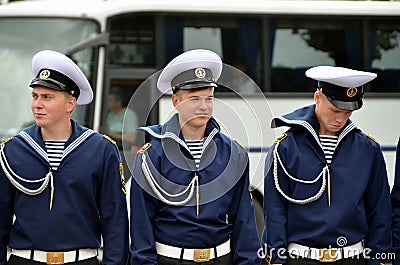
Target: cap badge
[(351, 92), (200, 72), (72, 92), (44, 74)]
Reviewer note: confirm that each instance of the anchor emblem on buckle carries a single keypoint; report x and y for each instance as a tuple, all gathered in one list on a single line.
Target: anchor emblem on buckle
[(201, 255)]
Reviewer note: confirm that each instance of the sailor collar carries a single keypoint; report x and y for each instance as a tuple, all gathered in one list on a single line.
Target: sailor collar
[(33, 138), (171, 129), (35, 134), (305, 118)]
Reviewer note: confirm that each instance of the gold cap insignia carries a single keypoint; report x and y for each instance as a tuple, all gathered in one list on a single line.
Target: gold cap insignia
[(200, 73), (72, 92), (351, 92), (44, 74)]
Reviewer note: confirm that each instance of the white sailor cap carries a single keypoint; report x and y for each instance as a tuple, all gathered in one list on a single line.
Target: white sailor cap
[(190, 70), (56, 71), (342, 86)]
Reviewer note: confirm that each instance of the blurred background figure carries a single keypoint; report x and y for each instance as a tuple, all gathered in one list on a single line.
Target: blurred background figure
[(117, 126)]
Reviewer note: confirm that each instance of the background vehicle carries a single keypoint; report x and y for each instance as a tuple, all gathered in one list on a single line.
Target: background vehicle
[(120, 43)]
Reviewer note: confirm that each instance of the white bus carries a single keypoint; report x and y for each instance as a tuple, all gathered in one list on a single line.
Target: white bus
[(121, 43)]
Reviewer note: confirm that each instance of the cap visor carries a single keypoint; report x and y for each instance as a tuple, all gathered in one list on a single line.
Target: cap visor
[(198, 85), (347, 105), (45, 84)]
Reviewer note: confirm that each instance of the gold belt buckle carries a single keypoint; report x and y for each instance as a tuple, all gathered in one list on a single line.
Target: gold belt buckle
[(55, 258), (327, 255), (201, 255)]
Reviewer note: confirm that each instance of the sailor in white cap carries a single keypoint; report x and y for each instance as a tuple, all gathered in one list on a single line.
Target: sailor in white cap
[(191, 182), (343, 87), (66, 195), (56, 71), (327, 195)]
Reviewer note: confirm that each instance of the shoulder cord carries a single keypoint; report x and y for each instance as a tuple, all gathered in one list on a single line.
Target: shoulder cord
[(324, 173), (157, 188), (12, 177)]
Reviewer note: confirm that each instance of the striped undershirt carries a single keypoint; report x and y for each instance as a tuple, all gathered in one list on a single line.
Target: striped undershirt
[(195, 148), (55, 151), (328, 143)]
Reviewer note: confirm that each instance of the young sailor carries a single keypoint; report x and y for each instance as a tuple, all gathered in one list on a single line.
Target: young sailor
[(191, 182), (62, 181), (327, 195)]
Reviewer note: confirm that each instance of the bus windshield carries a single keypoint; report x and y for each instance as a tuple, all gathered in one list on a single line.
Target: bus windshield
[(21, 38)]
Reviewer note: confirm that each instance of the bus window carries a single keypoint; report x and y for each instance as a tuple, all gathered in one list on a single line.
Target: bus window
[(132, 41), (21, 38), (385, 47), (85, 59), (121, 119), (236, 39), (118, 108), (299, 44), (202, 38)]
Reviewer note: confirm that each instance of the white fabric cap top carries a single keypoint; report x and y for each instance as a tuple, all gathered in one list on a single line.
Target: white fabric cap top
[(342, 86), (55, 70), (340, 76), (190, 70)]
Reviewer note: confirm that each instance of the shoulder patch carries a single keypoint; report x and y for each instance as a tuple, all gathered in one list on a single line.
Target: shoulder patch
[(7, 140), (144, 148), (281, 138), (236, 141), (121, 174), (109, 138), (372, 138)]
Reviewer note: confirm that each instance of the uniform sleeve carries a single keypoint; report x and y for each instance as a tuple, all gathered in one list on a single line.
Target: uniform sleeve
[(396, 208), (274, 238), (113, 211), (245, 241), (7, 193), (378, 211), (143, 210)]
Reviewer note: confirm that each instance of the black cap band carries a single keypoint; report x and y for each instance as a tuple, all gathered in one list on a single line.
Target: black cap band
[(340, 93), (55, 80), (346, 98), (193, 78)]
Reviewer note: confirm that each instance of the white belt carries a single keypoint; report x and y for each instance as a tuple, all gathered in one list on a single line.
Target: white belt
[(197, 255), (55, 257), (326, 254)]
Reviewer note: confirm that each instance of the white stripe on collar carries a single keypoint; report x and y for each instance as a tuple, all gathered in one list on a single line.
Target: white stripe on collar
[(34, 145), (309, 128), (68, 150), (304, 124), (177, 139)]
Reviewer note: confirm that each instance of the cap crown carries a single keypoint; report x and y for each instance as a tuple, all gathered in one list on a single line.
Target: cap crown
[(56, 71), (190, 70), (342, 86)]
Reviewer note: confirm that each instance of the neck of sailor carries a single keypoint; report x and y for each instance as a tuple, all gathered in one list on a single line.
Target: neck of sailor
[(59, 133), (190, 133)]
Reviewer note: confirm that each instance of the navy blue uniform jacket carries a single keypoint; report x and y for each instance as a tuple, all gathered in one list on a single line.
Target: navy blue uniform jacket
[(396, 207), (88, 198), (225, 210), (360, 194)]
